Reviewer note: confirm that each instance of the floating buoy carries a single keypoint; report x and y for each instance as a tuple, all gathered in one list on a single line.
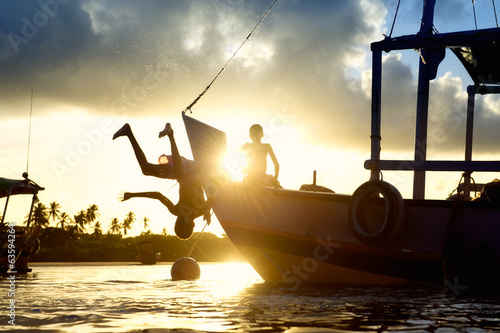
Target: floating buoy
[(185, 268)]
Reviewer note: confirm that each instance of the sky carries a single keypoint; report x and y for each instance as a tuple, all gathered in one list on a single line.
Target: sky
[(304, 75)]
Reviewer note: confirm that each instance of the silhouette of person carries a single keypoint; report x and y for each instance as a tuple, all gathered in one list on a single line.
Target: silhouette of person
[(256, 154), (192, 203)]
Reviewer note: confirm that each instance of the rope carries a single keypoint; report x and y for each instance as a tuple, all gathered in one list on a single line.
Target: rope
[(29, 135), (10, 169), (197, 239), (227, 63), (474, 10), (394, 21), (495, 11), (171, 187)]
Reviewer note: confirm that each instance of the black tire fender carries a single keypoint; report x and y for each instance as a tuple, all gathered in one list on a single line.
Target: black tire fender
[(35, 246), (394, 212)]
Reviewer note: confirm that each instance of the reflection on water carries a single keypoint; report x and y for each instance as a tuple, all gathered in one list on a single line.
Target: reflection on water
[(228, 297)]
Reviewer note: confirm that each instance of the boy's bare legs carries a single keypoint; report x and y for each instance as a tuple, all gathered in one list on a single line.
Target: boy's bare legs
[(168, 131), (148, 169), (152, 195)]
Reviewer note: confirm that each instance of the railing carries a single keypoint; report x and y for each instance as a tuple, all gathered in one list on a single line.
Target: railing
[(408, 165)]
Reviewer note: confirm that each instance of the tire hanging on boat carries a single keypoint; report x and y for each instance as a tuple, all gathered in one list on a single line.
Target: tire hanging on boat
[(366, 197)]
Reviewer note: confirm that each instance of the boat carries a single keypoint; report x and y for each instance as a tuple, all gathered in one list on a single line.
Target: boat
[(146, 253), (374, 236), (18, 243)]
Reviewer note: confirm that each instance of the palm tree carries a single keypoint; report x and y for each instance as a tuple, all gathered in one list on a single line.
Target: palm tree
[(146, 225), (63, 220), (115, 227), (92, 214), (40, 215), (97, 229), (127, 223), (54, 211), (80, 221)]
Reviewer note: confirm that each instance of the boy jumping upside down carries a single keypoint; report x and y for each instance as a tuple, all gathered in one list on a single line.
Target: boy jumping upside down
[(192, 203)]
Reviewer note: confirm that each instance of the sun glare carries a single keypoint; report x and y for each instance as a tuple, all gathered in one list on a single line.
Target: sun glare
[(232, 277), (298, 159)]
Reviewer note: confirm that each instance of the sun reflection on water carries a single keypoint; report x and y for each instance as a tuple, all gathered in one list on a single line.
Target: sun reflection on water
[(230, 278), (229, 297), (92, 297)]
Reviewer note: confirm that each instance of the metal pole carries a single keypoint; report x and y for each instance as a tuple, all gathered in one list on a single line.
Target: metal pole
[(31, 210), (6, 204), (421, 130), (376, 112), (422, 105), (471, 90)]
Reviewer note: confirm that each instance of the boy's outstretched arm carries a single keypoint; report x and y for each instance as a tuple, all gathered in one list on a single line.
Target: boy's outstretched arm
[(152, 195), (207, 208)]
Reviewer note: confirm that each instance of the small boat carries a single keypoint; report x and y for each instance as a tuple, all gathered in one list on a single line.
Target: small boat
[(146, 253), (17, 243), (374, 236)]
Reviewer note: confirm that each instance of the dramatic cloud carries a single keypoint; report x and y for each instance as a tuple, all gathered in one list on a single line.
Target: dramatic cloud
[(94, 64), (128, 58), (116, 57)]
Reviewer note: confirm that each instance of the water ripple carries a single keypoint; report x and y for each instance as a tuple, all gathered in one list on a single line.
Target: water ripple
[(134, 298)]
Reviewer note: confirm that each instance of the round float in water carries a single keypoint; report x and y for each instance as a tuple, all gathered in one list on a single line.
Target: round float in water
[(185, 268)]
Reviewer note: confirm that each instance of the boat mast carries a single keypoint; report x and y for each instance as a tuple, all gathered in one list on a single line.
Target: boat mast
[(432, 52), (375, 136), (424, 78)]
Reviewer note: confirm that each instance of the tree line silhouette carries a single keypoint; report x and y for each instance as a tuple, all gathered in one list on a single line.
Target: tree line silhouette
[(88, 218), (82, 239)]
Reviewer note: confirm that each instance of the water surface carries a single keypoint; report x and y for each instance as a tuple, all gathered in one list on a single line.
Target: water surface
[(229, 297)]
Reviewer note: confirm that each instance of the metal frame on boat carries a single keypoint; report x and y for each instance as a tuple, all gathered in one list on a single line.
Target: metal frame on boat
[(17, 243), (373, 236)]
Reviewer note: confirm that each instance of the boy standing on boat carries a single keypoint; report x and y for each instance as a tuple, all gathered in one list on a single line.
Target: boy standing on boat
[(192, 203), (256, 153)]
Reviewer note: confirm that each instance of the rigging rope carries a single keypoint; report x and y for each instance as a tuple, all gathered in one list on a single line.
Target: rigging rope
[(29, 135), (6, 167), (474, 10), (227, 63), (495, 11), (394, 21), (197, 239)]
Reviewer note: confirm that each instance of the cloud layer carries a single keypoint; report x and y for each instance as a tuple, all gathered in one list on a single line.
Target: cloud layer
[(152, 58), (94, 64)]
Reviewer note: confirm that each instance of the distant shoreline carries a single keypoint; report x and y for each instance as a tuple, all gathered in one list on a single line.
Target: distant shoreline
[(111, 263), (64, 247)]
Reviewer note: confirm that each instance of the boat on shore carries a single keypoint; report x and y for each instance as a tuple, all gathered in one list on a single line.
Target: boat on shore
[(374, 235), (17, 243), (146, 253)]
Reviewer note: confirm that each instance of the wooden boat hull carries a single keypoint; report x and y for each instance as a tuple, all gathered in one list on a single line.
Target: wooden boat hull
[(146, 253), (296, 236), (10, 248), (373, 236)]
